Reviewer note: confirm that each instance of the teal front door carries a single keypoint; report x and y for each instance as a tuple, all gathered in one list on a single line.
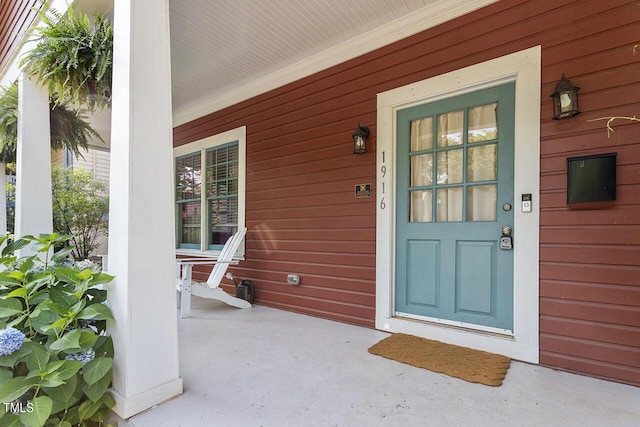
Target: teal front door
[(454, 204)]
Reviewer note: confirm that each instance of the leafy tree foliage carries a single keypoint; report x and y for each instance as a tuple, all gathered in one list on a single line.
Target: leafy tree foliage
[(80, 205)]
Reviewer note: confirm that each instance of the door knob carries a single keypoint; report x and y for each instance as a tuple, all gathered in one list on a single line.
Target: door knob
[(506, 241)]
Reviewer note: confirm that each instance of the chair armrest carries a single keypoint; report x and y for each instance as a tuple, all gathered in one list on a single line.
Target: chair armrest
[(200, 261)]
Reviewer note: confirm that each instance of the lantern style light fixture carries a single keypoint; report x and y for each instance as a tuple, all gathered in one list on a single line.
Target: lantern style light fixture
[(565, 99), (360, 139)]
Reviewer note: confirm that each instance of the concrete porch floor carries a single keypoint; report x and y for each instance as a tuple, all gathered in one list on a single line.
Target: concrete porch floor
[(268, 367)]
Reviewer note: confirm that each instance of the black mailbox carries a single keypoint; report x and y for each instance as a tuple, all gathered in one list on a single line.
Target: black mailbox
[(591, 178)]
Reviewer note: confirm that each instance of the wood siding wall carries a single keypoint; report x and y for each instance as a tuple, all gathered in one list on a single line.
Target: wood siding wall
[(15, 17), (95, 161), (303, 218)]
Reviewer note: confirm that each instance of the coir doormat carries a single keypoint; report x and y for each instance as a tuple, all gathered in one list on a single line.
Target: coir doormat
[(461, 362)]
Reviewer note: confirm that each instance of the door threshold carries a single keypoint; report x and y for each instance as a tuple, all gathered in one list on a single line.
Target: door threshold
[(458, 326)]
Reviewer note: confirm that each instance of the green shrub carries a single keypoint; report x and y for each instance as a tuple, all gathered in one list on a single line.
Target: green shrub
[(55, 358), (80, 205)]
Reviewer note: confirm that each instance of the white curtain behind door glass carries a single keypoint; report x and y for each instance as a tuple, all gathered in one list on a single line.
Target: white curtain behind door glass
[(421, 170), (483, 123), (421, 206), (450, 164), (422, 134), (482, 163), (450, 127), (481, 203)]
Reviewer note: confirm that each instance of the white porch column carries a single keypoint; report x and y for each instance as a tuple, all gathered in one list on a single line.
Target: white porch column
[(141, 214), (34, 213)]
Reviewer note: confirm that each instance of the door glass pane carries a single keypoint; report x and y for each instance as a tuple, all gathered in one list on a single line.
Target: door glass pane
[(421, 170), (450, 167), (422, 134), (450, 127), (449, 204), (483, 123), (483, 164), (481, 203), (421, 206), (190, 222)]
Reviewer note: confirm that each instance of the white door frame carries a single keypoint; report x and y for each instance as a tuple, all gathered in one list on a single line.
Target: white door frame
[(523, 68)]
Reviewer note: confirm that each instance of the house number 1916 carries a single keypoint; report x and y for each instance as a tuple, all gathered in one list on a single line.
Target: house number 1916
[(383, 180)]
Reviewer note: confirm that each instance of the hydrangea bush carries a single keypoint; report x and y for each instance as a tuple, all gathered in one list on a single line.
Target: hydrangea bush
[(55, 357)]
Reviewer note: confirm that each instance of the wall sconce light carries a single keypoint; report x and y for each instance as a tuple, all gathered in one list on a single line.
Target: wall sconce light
[(565, 99), (360, 139)]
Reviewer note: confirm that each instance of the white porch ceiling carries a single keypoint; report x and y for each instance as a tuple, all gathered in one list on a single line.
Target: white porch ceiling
[(226, 51)]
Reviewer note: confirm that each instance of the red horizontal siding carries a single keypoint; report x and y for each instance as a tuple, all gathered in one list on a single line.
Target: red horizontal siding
[(609, 255), (589, 267), (15, 18), (596, 368), (588, 330), (592, 350), (597, 312), (303, 217), (590, 292), (609, 234)]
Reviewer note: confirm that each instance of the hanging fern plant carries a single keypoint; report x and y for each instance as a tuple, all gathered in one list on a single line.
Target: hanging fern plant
[(73, 58), (69, 128)]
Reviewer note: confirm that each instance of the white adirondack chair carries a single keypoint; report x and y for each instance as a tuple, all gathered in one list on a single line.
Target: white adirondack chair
[(211, 288)]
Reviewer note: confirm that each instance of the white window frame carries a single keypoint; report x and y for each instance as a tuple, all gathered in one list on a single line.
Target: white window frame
[(202, 145), (523, 68)]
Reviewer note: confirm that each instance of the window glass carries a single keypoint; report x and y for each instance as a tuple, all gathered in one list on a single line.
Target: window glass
[(422, 170), (450, 126), (421, 206), (451, 169), (483, 163), (188, 177), (449, 204), (422, 134), (481, 203), (188, 192), (222, 193), (190, 216), (483, 123), (209, 191)]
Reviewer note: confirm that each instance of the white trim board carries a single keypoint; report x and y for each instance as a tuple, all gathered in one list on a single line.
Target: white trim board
[(523, 68)]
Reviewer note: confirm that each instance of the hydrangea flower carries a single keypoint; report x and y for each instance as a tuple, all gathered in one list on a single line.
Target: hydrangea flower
[(11, 340), (67, 263), (84, 264), (38, 268), (85, 356)]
